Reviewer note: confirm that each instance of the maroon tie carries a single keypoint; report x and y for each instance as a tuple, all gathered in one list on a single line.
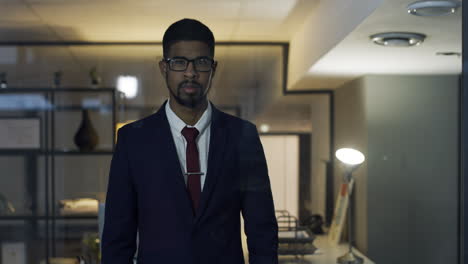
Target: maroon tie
[(193, 166)]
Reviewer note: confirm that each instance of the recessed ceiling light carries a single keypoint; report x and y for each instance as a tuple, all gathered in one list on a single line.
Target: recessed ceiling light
[(398, 39), (433, 8)]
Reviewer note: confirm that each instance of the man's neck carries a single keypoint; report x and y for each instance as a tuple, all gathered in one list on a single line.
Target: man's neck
[(189, 115)]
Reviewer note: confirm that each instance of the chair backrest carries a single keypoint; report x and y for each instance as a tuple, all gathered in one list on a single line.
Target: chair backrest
[(287, 223), (279, 213)]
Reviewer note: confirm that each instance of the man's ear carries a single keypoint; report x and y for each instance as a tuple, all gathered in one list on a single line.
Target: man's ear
[(215, 64), (163, 67)]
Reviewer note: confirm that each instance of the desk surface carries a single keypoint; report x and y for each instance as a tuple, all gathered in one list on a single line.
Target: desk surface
[(325, 254)]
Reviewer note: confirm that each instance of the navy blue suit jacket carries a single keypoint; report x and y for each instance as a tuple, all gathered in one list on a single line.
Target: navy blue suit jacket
[(147, 192)]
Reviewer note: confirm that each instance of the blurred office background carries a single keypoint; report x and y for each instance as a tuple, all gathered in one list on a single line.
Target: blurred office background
[(306, 72)]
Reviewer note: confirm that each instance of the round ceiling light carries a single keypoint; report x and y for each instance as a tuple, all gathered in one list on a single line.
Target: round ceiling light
[(398, 39), (433, 8)]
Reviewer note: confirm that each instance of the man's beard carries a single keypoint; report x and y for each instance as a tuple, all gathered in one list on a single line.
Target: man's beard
[(191, 100)]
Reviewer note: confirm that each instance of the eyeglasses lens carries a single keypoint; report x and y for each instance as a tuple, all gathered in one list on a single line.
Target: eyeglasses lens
[(201, 64)]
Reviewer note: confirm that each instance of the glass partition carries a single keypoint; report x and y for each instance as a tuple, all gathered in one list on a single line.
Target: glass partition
[(405, 196)]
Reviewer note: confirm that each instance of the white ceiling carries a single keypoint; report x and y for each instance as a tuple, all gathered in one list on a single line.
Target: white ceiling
[(253, 20), (356, 55), (336, 30), (146, 20)]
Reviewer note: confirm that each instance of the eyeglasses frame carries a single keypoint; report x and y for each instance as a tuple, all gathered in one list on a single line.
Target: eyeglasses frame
[(168, 60)]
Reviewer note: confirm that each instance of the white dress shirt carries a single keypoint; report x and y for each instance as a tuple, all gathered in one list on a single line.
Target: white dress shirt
[(203, 140)]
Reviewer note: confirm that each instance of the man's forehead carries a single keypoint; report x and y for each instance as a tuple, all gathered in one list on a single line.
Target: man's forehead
[(193, 48)]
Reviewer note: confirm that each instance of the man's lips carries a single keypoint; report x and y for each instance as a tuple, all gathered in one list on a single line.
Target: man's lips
[(190, 88)]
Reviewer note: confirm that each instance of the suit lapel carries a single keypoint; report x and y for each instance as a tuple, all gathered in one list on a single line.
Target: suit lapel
[(215, 154), (164, 146)]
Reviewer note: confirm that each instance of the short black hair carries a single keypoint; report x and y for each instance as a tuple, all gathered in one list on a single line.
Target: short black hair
[(187, 29)]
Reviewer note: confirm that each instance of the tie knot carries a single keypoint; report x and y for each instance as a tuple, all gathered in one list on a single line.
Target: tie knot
[(190, 133)]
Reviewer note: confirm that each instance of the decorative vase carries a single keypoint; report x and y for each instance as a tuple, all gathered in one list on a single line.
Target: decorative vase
[(6, 207), (3, 82), (95, 78), (86, 137), (57, 79)]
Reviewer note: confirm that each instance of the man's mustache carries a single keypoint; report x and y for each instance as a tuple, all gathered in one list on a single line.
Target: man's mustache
[(189, 83)]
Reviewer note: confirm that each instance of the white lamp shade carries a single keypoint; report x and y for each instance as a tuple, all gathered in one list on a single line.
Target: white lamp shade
[(350, 156)]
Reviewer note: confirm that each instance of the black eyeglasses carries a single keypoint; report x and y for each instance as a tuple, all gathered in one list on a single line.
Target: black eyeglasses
[(201, 64)]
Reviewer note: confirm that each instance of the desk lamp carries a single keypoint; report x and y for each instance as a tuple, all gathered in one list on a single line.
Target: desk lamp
[(351, 160)]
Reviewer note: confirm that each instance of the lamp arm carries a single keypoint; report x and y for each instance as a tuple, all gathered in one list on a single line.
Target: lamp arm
[(348, 175), (350, 222)]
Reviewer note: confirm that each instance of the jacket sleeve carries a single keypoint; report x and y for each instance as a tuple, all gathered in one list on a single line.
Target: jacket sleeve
[(120, 221), (258, 210)]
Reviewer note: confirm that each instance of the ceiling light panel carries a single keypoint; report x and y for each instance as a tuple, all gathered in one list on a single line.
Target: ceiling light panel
[(433, 8), (16, 12), (277, 10), (398, 39)]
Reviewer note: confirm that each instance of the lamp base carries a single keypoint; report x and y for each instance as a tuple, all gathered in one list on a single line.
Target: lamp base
[(350, 258)]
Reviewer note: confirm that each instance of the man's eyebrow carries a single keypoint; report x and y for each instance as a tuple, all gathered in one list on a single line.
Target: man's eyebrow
[(183, 57)]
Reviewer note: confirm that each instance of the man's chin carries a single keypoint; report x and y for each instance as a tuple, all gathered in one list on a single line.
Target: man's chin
[(192, 102)]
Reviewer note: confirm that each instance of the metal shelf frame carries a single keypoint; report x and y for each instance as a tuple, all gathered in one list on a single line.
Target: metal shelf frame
[(48, 151)]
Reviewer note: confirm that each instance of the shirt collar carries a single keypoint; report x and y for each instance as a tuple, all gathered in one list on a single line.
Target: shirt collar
[(178, 124)]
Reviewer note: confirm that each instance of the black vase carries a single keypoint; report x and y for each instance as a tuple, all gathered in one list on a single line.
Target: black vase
[(86, 137)]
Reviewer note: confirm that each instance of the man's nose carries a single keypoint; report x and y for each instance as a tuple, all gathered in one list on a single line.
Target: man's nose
[(191, 72)]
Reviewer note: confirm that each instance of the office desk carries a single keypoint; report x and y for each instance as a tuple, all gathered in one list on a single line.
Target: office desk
[(325, 254)]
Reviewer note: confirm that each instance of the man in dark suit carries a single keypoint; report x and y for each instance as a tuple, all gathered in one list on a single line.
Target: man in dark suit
[(183, 176)]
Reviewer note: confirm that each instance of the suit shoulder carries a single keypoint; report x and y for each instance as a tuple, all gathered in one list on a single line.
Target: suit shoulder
[(136, 124), (242, 126)]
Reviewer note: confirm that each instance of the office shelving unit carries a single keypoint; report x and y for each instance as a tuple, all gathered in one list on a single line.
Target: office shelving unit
[(35, 179)]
